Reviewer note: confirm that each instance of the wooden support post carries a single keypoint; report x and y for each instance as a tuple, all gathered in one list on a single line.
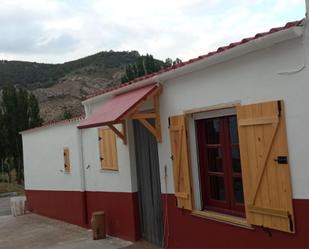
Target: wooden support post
[(156, 102), (143, 116), (148, 126), (124, 131), (121, 134)]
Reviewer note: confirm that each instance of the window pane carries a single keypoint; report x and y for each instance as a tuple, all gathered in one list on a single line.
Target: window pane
[(212, 131), (236, 160), (214, 160), (233, 130), (238, 190), (217, 190)]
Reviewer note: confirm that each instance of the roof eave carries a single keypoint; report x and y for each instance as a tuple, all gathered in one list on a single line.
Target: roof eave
[(229, 54)]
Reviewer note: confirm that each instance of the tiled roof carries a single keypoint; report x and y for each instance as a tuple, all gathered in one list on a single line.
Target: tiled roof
[(201, 57), (53, 123)]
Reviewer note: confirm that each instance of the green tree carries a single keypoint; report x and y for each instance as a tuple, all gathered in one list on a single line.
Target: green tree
[(168, 62), (19, 111), (146, 65), (130, 72), (66, 114), (177, 61), (2, 143), (34, 112), (140, 67)]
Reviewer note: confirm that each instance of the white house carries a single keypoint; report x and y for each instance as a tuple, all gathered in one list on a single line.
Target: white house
[(208, 153)]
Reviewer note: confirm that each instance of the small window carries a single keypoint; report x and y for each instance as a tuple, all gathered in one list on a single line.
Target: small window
[(108, 149), (219, 165), (66, 157)]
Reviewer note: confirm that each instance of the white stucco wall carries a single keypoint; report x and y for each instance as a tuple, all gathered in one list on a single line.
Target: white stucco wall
[(278, 72), (106, 180), (43, 158), (260, 76)]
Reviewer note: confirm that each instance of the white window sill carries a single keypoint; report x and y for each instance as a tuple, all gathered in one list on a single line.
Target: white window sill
[(224, 218)]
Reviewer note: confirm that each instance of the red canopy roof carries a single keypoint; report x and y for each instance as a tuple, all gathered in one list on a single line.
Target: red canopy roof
[(115, 109)]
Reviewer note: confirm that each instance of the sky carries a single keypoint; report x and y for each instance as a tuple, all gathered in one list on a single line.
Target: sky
[(55, 31)]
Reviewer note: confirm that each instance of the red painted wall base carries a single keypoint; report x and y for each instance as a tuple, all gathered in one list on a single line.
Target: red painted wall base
[(77, 207), (121, 211), (188, 231), (62, 205), (182, 229)]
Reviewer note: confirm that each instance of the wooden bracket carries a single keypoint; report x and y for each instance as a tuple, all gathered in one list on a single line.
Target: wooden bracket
[(143, 116), (121, 134)]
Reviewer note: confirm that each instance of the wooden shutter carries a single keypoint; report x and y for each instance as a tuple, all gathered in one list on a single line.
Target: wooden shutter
[(265, 168), (180, 158), (66, 158), (108, 149)]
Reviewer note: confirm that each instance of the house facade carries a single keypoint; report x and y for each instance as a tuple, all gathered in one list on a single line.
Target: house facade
[(209, 153)]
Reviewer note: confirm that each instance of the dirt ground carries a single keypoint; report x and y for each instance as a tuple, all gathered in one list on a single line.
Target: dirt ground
[(32, 231)]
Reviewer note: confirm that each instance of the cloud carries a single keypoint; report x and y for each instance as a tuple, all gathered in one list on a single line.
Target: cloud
[(57, 31), (24, 29)]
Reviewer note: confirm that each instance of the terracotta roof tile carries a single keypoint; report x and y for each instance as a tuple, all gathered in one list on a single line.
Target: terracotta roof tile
[(53, 123)]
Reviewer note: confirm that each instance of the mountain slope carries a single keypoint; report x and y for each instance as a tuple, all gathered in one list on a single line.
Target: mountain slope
[(33, 75), (60, 88)]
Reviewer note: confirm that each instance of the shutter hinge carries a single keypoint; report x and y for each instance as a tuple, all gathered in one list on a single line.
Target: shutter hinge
[(169, 122), (291, 223), (101, 158), (279, 108), (172, 157), (100, 138), (267, 230)]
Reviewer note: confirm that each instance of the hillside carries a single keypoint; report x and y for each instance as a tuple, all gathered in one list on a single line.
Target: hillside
[(61, 87), (33, 75)]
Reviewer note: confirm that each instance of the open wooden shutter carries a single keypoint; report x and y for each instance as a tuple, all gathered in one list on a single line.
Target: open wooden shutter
[(66, 159), (108, 149), (180, 157), (265, 168)]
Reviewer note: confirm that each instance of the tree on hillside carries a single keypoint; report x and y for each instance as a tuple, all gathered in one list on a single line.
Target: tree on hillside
[(66, 115), (146, 65), (177, 61), (168, 62), (34, 118), (2, 142), (19, 111)]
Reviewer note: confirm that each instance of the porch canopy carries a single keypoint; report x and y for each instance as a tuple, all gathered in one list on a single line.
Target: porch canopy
[(126, 105)]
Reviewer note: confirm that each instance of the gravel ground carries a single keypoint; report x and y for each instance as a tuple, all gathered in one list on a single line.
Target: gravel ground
[(32, 231)]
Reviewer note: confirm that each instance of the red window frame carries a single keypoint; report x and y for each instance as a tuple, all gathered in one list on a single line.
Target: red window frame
[(229, 205)]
